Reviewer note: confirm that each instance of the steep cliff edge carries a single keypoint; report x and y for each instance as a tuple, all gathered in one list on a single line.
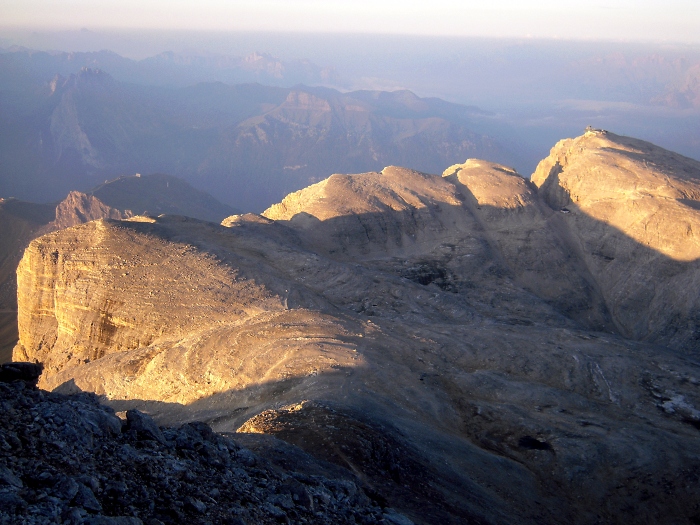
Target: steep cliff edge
[(110, 286), (21, 222), (24, 221), (633, 210)]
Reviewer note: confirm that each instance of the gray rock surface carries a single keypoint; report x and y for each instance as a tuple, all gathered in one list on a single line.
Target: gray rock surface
[(634, 221), (143, 426), (27, 372), (193, 476)]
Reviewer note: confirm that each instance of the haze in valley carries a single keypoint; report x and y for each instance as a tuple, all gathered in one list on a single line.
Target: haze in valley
[(364, 262), (546, 68)]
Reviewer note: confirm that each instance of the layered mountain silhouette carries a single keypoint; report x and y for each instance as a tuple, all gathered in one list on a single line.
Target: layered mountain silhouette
[(168, 68), (248, 144), (475, 347), (684, 94)]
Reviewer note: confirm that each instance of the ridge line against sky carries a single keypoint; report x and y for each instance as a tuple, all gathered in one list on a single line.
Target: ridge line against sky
[(617, 20)]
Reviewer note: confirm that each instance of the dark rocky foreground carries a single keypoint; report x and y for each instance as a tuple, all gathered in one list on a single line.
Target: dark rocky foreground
[(68, 459)]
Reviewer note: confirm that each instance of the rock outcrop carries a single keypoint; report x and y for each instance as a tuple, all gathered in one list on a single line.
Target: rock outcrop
[(79, 208), (23, 221), (450, 339), (67, 459), (481, 222), (20, 223)]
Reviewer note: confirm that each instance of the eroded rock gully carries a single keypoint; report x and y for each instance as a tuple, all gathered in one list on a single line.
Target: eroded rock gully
[(473, 347)]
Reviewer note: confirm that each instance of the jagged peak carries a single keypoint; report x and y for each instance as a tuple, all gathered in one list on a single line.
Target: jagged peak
[(78, 208)]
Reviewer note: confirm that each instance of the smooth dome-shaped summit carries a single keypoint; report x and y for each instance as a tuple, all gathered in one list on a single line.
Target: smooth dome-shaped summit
[(634, 215)]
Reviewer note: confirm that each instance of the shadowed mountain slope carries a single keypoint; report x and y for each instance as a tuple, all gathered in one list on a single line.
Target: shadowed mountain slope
[(480, 222), (158, 193), (445, 338)]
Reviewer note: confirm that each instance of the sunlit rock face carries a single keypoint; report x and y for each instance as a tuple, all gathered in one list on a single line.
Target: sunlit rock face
[(20, 222), (78, 208), (634, 215), (447, 338), (23, 221)]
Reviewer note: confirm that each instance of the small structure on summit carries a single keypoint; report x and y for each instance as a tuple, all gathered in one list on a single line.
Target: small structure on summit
[(590, 130)]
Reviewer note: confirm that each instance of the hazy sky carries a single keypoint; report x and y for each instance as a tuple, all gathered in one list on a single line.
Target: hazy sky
[(645, 20)]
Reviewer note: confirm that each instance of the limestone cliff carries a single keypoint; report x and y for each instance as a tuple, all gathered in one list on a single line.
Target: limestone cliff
[(23, 221), (20, 222), (107, 287)]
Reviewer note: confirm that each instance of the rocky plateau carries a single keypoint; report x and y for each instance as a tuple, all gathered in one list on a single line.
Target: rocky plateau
[(474, 347), (119, 198)]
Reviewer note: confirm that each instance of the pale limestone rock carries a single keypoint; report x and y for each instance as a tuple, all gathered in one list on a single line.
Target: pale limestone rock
[(464, 316), (78, 208), (635, 211)]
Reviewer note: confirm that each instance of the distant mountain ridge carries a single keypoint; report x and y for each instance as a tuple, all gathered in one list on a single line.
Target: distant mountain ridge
[(684, 94), (248, 144), (171, 69)]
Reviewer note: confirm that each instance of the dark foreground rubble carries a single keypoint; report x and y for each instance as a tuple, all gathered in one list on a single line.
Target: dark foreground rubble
[(69, 460)]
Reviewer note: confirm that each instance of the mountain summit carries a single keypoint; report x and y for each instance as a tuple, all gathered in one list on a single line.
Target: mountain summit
[(475, 347), (634, 218)]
